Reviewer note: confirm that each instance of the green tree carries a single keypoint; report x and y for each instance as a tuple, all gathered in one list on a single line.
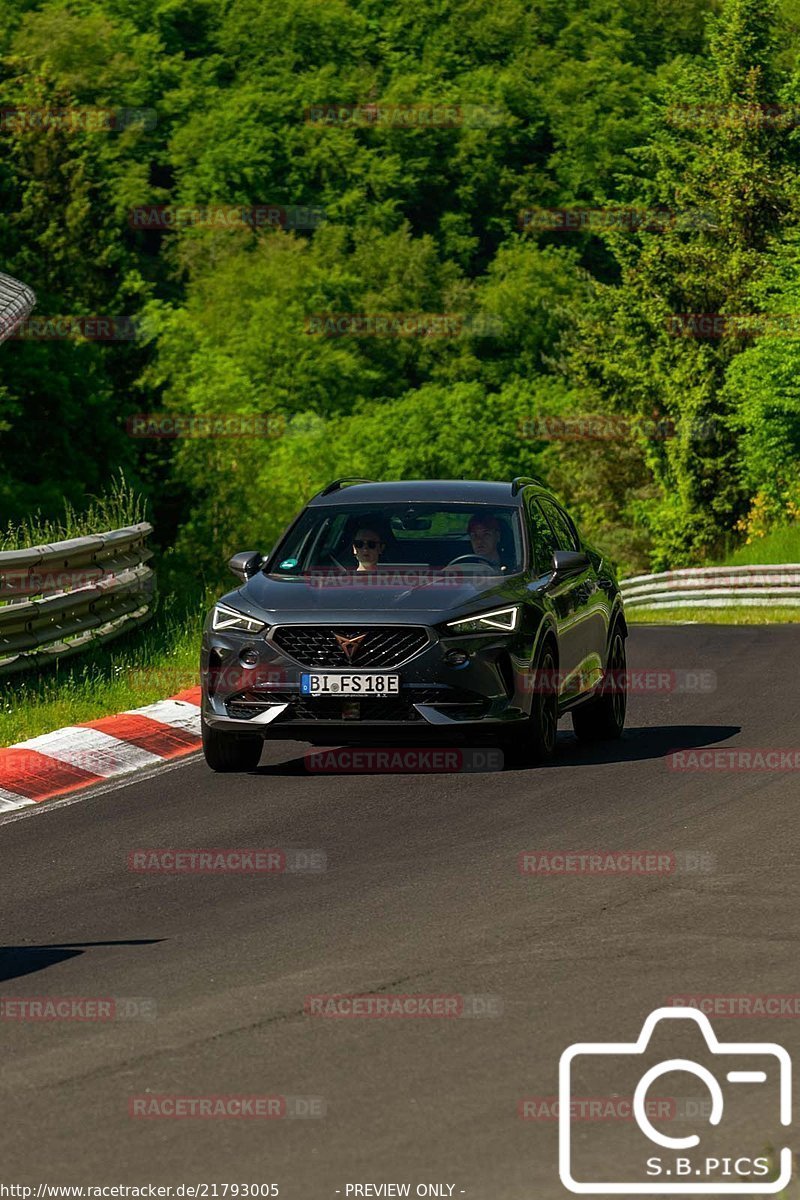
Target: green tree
[(722, 175)]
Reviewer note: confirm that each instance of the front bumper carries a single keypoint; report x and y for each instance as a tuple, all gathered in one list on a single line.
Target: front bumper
[(436, 694)]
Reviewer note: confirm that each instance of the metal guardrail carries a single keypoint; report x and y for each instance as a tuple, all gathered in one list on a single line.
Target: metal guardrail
[(775, 586), (57, 600), (16, 303)]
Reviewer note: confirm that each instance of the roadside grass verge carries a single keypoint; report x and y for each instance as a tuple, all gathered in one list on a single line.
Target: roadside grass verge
[(779, 546), (118, 507), (149, 664), (735, 615)]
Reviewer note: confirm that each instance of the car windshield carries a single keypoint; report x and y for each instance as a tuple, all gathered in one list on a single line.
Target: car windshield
[(424, 537)]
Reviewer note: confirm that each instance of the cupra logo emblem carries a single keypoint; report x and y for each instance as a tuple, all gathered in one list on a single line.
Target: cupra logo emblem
[(350, 644)]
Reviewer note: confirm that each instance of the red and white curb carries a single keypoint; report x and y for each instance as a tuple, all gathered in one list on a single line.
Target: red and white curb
[(94, 751)]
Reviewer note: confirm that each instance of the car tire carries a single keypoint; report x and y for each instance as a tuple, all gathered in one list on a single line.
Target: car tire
[(534, 740), (230, 751), (603, 717)]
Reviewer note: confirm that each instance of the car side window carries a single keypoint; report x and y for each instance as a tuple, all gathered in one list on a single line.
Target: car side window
[(543, 542), (563, 528)]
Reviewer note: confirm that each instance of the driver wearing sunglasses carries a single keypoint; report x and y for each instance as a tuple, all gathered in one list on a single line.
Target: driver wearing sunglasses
[(368, 547)]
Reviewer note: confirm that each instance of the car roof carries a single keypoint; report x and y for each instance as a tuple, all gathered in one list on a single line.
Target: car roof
[(451, 491)]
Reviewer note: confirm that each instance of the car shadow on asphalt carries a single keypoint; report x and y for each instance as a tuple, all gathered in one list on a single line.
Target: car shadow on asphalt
[(640, 742), (637, 744), (24, 960)]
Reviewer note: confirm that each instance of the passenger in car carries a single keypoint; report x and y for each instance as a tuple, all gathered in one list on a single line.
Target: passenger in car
[(485, 532)]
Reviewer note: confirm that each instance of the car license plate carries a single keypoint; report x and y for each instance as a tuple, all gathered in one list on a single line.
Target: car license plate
[(349, 685)]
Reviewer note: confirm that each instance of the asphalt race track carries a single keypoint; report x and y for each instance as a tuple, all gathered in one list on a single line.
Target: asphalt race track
[(422, 894)]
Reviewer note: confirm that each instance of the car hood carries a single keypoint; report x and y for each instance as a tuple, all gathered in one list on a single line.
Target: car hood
[(306, 596)]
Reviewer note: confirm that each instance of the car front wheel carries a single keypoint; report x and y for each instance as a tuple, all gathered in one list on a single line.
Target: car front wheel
[(230, 751), (603, 717), (535, 739)]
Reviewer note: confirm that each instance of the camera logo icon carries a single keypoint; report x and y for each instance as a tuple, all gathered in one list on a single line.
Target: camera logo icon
[(672, 1168)]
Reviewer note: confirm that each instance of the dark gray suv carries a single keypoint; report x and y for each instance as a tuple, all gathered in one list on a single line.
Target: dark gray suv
[(388, 612)]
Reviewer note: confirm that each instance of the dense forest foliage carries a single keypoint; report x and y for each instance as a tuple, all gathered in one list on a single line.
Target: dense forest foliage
[(600, 196)]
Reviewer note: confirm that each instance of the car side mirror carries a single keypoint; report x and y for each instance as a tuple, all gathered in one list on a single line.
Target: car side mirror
[(245, 564), (570, 562)]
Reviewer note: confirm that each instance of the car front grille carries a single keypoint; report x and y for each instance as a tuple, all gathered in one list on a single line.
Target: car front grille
[(383, 646)]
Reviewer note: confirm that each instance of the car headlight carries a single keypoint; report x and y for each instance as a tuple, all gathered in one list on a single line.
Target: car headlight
[(226, 619), (504, 620)]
